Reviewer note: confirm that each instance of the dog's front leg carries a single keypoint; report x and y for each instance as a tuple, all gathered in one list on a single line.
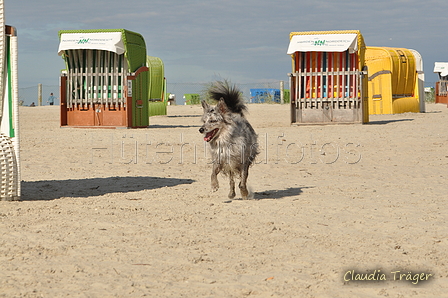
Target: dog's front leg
[(232, 193), (215, 172), (242, 185)]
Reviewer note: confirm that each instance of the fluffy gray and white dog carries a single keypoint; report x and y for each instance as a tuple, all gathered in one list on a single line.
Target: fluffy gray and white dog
[(232, 139)]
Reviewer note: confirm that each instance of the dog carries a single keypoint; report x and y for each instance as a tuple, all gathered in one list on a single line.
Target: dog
[(232, 139)]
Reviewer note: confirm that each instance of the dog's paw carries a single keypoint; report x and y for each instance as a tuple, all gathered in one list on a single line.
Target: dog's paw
[(215, 187), (247, 194), (214, 184)]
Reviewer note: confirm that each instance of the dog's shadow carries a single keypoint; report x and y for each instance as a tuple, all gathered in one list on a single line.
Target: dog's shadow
[(279, 193), (48, 190)]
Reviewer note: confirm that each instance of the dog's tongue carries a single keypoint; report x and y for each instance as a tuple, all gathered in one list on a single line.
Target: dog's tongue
[(209, 136)]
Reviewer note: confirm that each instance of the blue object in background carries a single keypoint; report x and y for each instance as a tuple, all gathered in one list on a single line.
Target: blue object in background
[(264, 95)]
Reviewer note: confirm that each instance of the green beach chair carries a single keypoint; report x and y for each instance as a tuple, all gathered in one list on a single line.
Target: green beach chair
[(107, 81)]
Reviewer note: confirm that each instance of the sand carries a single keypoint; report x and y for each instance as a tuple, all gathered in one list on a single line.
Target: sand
[(129, 212)]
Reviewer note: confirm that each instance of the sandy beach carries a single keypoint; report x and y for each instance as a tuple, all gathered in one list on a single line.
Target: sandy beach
[(129, 212)]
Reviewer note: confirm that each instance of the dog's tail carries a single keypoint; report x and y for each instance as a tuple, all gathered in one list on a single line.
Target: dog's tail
[(231, 95)]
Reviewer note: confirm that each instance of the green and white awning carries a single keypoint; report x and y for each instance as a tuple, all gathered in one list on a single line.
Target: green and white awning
[(108, 41), (442, 68), (323, 43)]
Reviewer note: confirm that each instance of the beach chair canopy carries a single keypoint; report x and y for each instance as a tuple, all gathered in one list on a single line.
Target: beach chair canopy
[(323, 43), (108, 41), (119, 41), (442, 68)]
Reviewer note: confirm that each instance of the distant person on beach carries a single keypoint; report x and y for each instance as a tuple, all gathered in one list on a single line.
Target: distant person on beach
[(51, 99), (32, 104)]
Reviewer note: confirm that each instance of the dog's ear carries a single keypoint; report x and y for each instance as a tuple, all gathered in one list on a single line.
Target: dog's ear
[(205, 105), (222, 107)]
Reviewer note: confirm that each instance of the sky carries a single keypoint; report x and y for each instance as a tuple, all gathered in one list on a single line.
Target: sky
[(244, 41)]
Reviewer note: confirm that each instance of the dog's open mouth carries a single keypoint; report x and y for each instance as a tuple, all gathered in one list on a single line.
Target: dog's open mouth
[(210, 135)]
